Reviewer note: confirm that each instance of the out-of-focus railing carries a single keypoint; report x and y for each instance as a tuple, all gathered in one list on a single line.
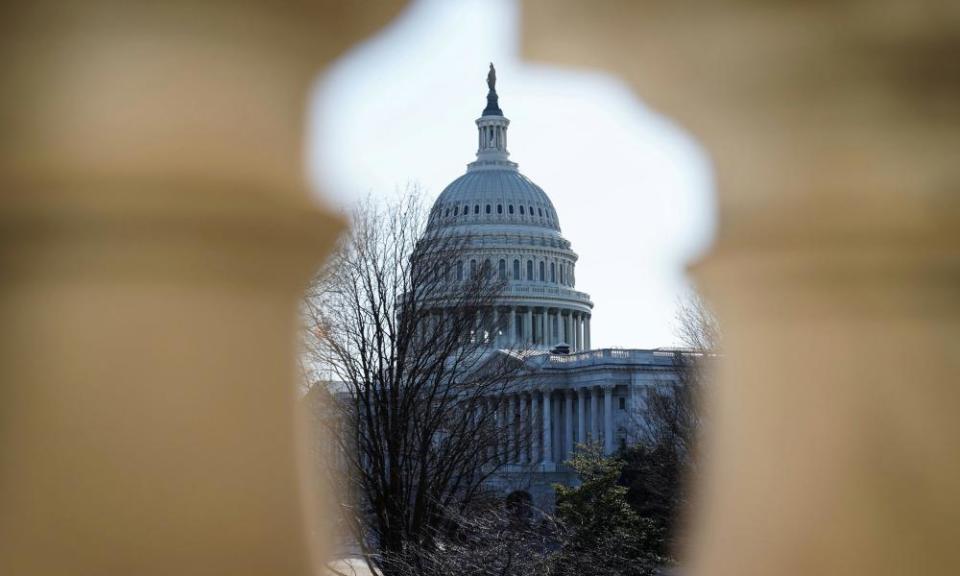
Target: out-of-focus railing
[(657, 356)]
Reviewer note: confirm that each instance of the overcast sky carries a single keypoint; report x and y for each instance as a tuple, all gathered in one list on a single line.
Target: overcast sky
[(632, 190)]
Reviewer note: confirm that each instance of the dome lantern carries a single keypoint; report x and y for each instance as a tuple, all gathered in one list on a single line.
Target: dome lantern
[(492, 131)]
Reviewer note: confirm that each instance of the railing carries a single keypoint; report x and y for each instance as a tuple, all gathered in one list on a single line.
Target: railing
[(616, 356), (534, 289)]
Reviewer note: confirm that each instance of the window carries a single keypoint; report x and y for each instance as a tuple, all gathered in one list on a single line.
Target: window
[(456, 210), (510, 208), (502, 269), (529, 269), (561, 274), (487, 269), (521, 210), (446, 272), (543, 275), (460, 270), (466, 209), (499, 208), (476, 208), (531, 211), (540, 212), (447, 213), (488, 208), (516, 269), (473, 269), (553, 272), (623, 403)]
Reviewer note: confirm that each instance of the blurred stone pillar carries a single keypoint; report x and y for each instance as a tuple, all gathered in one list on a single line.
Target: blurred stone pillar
[(836, 271), (155, 235)]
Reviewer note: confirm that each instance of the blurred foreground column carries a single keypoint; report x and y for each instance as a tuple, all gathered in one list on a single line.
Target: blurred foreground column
[(155, 233), (835, 128)]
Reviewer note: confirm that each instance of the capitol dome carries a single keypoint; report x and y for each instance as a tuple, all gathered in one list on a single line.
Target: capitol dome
[(494, 196), (514, 231)]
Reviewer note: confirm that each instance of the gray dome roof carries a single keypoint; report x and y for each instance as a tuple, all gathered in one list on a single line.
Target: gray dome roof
[(495, 196)]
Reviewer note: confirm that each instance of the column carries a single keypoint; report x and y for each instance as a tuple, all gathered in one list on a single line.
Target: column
[(557, 438), (586, 331), (567, 332), (575, 345), (568, 423), (555, 327), (543, 326), (547, 428), (534, 428), (512, 339), (580, 343), (523, 430), (581, 416), (548, 323), (495, 329), (608, 420), (528, 339), (596, 424), (580, 346)]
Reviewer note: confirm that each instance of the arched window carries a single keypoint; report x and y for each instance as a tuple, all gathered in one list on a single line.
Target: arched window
[(446, 272), (521, 211), (516, 269), (447, 213), (456, 210), (543, 272), (460, 270), (487, 269), (510, 208), (476, 208), (502, 267), (499, 208), (530, 270), (553, 273), (531, 211), (466, 209), (561, 275), (488, 208), (473, 269), (540, 212)]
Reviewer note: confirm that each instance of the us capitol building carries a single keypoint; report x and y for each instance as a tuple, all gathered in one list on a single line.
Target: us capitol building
[(575, 393)]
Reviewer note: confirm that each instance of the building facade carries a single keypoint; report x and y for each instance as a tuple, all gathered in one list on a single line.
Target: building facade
[(574, 394)]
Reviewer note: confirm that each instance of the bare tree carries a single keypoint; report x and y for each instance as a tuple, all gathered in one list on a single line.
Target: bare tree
[(659, 468), (493, 539), (696, 325), (673, 417), (401, 327)]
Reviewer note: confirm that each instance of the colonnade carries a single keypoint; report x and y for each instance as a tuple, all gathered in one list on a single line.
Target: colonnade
[(510, 326), (542, 426), (543, 326)]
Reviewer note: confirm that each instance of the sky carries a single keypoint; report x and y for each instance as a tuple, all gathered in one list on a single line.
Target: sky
[(633, 191)]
